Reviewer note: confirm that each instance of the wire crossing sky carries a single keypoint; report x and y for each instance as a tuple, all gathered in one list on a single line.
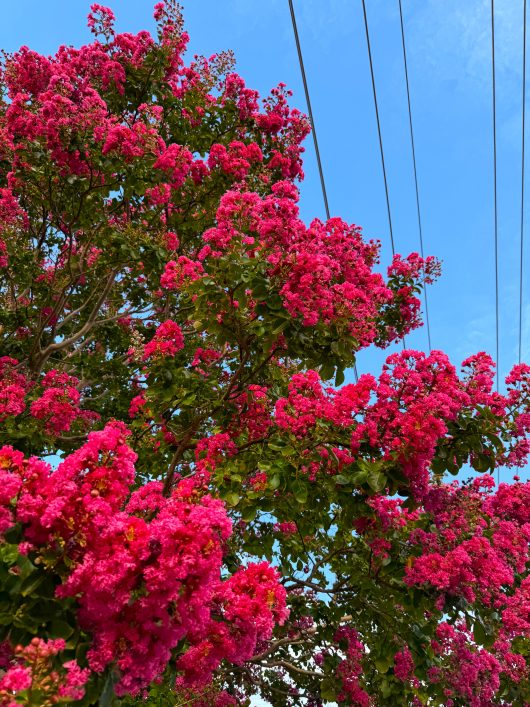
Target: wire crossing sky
[(381, 150), (495, 210), (313, 128), (309, 109), (378, 127), (521, 260), (420, 230)]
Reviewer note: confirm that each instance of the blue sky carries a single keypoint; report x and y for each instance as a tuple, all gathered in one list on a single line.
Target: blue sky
[(450, 75)]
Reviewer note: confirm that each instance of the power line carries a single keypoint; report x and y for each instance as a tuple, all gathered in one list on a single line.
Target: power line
[(313, 127), (495, 189), (309, 109), (522, 189), (381, 150), (415, 169), (378, 127)]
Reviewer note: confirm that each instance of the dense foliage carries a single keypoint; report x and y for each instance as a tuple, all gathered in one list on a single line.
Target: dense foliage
[(190, 511)]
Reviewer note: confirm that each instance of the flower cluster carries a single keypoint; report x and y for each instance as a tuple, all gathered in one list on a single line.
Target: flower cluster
[(236, 160), (350, 669), (469, 674), (478, 547), (13, 388), (178, 273), (250, 603), (32, 669), (167, 341), (324, 273), (54, 399), (59, 404), (143, 568)]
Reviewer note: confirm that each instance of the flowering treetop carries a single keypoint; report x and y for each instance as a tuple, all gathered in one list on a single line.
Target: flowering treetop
[(228, 518)]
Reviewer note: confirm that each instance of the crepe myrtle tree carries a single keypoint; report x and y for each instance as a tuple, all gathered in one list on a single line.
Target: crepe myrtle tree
[(227, 519)]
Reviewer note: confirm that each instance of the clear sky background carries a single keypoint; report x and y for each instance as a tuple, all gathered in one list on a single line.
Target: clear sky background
[(449, 56)]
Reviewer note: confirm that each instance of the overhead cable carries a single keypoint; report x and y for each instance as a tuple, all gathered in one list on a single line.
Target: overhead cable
[(415, 168), (522, 188), (378, 127), (381, 150), (313, 127), (496, 231), (309, 109)]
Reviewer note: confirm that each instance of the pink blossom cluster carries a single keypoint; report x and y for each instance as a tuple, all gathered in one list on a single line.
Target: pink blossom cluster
[(167, 341), (286, 528), (126, 142), (62, 103), (143, 568), (181, 272), (474, 552), (324, 273), (54, 399), (203, 359), (177, 161), (250, 603), (415, 396), (210, 451), (32, 669), (11, 214), (14, 386), (236, 160), (390, 518), (404, 665), (350, 669), (308, 401), (405, 415), (137, 405), (288, 127), (59, 404), (101, 19), (469, 673), (252, 417)]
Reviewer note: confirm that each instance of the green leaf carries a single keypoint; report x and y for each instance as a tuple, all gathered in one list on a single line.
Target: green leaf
[(328, 689), (6, 618), (382, 664), (259, 290), (327, 370), (232, 498), (107, 694), (376, 480), (479, 632), (339, 376), (482, 463), (61, 629), (274, 482), (9, 553), (32, 583), (276, 446), (300, 492), (249, 513), (280, 325)]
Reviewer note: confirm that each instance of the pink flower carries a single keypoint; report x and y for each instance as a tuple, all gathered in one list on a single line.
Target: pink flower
[(178, 273), (167, 341), (16, 679)]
